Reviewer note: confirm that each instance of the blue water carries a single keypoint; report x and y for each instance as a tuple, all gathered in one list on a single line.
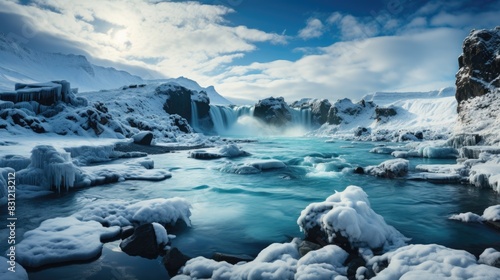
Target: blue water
[(242, 214)]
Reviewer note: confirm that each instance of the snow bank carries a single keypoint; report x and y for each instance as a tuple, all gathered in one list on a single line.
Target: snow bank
[(87, 154), (389, 168), (430, 262), (228, 151), (61, 240), (486, 174), (277, 261), (491, 213), (5, 274), (122, 213), (15, 161), (138, 169), (348, 214), (491, 257)]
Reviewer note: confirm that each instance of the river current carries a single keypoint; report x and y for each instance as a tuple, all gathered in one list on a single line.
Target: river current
[(242, 214)]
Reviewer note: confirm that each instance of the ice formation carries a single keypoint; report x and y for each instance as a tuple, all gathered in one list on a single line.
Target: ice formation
[(49, 168), (61, 240), (430, 262)]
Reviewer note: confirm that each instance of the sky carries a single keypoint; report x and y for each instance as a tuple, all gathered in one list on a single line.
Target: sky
[(253, 49)]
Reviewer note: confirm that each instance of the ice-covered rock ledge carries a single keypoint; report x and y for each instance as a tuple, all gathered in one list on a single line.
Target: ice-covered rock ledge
[(80, 237), (51, 169)]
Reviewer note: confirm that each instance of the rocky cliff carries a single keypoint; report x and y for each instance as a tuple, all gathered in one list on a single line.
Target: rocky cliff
[(479, 65)]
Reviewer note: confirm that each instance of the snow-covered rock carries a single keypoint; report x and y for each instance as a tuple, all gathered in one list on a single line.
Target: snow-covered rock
[(62, 240), (122, 213), (430, 262), (389, 168), (348, 215), (228, 151), (277, 261), (491, 214), (491, 257), (273, 111)]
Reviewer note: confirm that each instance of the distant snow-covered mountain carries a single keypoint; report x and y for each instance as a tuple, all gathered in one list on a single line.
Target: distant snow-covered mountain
[(20, 64), (24, 65)]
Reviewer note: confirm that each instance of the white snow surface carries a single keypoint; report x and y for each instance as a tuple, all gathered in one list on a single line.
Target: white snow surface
[(348, 213), (162, 237), (123, 213), (431, 262), (389, 168), (490, 256), (5, 274), (432, 112), (62, 240), (277, 261), (481, 115), (491, 213)]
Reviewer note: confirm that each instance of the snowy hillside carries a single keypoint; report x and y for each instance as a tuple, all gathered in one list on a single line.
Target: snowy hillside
[(20, 64), (388, 115), (24, 65)]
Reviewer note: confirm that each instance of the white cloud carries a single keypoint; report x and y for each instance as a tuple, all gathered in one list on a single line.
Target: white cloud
[(314, 29), (421, 61), (185, 38)]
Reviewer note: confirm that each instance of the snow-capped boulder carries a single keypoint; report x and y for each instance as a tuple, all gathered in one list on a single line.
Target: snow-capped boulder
[(62, 240), (147, 241), (143, 138), (347, 220), (491, 257), (389, 168), (229, 151), (273, 111), (344, 111), (479, 64), (430, 262)]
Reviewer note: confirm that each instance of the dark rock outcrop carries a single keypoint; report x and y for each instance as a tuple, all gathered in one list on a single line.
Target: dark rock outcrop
[(142, 242), (174, 260), (143, 138), (344, 109), (319, 109), (479, 64), (273, 111), (382, 114), (180, 101)]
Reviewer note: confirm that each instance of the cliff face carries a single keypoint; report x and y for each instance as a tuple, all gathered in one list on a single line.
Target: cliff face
[(479, 65), (478, 86)]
